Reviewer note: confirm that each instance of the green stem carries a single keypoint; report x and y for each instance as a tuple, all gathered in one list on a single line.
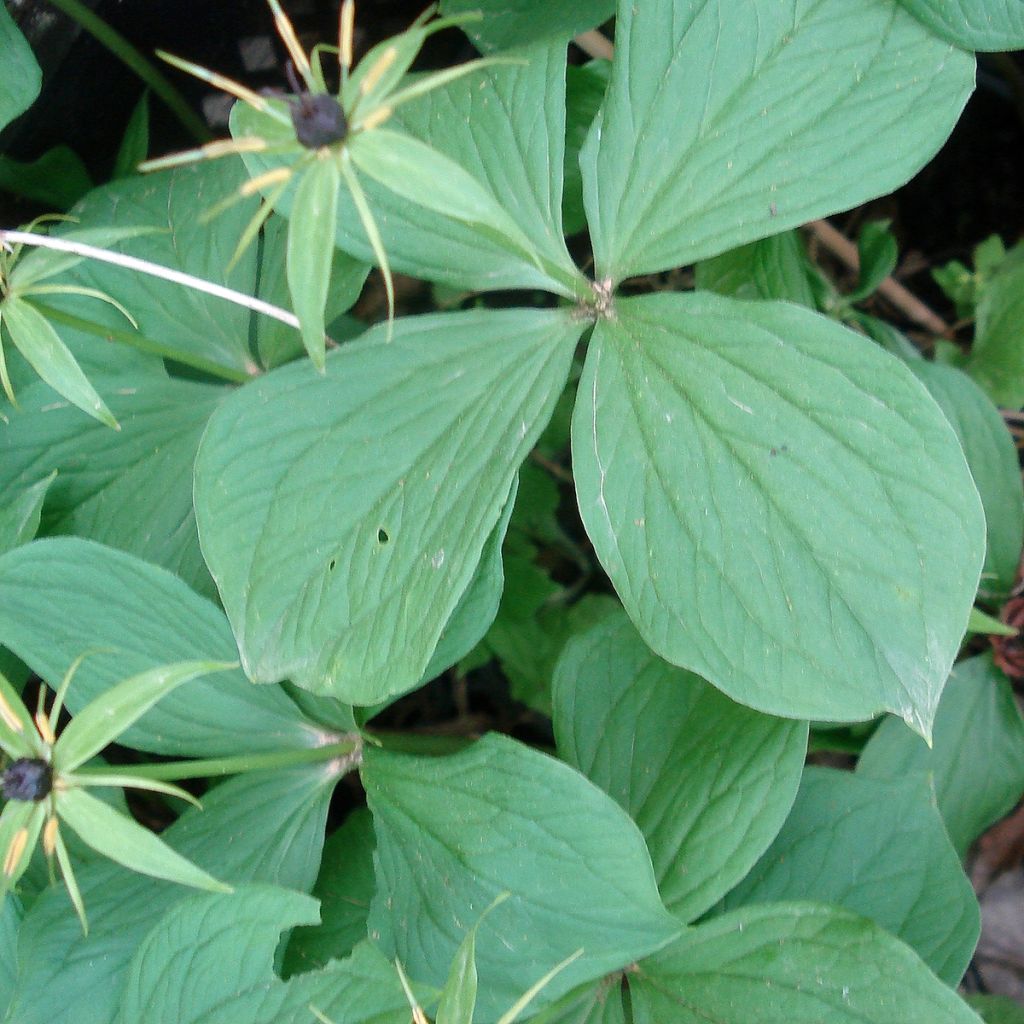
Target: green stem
[(207, 767), (145, 69)]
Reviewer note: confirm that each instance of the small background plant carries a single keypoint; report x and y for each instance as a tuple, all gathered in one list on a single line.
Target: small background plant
[(610, 626)]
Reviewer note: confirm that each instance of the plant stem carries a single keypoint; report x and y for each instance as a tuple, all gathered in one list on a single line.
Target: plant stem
[(153, 270), (349, 750), (145, 69)]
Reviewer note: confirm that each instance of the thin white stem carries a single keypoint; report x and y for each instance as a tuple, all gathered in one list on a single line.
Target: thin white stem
[(153, 270)]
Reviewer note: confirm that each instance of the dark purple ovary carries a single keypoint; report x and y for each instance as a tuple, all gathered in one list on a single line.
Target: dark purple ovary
[(28, 778), (318, 120)]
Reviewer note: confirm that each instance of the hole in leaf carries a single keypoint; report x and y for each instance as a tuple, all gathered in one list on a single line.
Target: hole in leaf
[(331, 564), (382, 536)]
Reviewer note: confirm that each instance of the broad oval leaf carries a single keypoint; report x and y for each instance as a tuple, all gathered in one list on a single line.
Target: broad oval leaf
[(505, 126), (132, 488), (977, 713), (996, 361), (642, 730), (877, 848), (130, 617), (21, 80), (454, 833), (973, 24), (781, 506), (216, 955), (729, 120), (342, 516), (791, 963)]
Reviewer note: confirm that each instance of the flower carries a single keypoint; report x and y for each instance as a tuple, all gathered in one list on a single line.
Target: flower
[(315, 141), (43, 787)]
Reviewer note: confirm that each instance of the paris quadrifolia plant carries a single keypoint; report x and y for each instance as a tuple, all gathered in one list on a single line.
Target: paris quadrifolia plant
[(316, 143), (45, 781)]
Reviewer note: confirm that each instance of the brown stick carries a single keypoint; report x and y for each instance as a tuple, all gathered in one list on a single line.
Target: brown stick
[(841, 247)]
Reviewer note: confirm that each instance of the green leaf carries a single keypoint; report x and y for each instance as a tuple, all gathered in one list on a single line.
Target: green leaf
[(416, 172), (641, 729), (992, 458), (19, 817), (452, 835), (21, 80), (475, 612), (775, 267), (979, 622), (126, 842), (508, 23), (879, 849), (878, 254), (973, 24), (505, 126), (997, 355), (311, 251), (344, 888), (105, 717), (10, 921), (19, 517), (791, 963), (265, 827), (309, 550), (276, 342), (18, 736), (132, 617), (585, 88), (174, 321), (458, 997), (997, 1009), (780, 505), (35, 338), (727, 122), (57, 179), (135, 142), (977, 714), (216, 955), (132, 488)]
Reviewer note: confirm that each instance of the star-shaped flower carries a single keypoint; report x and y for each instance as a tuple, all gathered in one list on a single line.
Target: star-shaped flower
[(44, 788)]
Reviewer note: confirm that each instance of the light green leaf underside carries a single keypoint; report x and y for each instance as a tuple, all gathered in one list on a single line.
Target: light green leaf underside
[(505, 125), (729, 121), (343, 515), (453, 833), (276, 826), (173, 320), (131, 488), (791, 963), (210, 960), (977, 714), (506, 24), (992, 457), (879, 849), (22, 78), (641, 729), (781, 506), (973, 24), (132, 617)]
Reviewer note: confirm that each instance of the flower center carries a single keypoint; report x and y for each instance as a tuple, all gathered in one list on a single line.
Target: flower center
[(319, 120), (27, 778)]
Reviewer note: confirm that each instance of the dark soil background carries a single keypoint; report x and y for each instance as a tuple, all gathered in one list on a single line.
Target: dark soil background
[(972, 189)]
